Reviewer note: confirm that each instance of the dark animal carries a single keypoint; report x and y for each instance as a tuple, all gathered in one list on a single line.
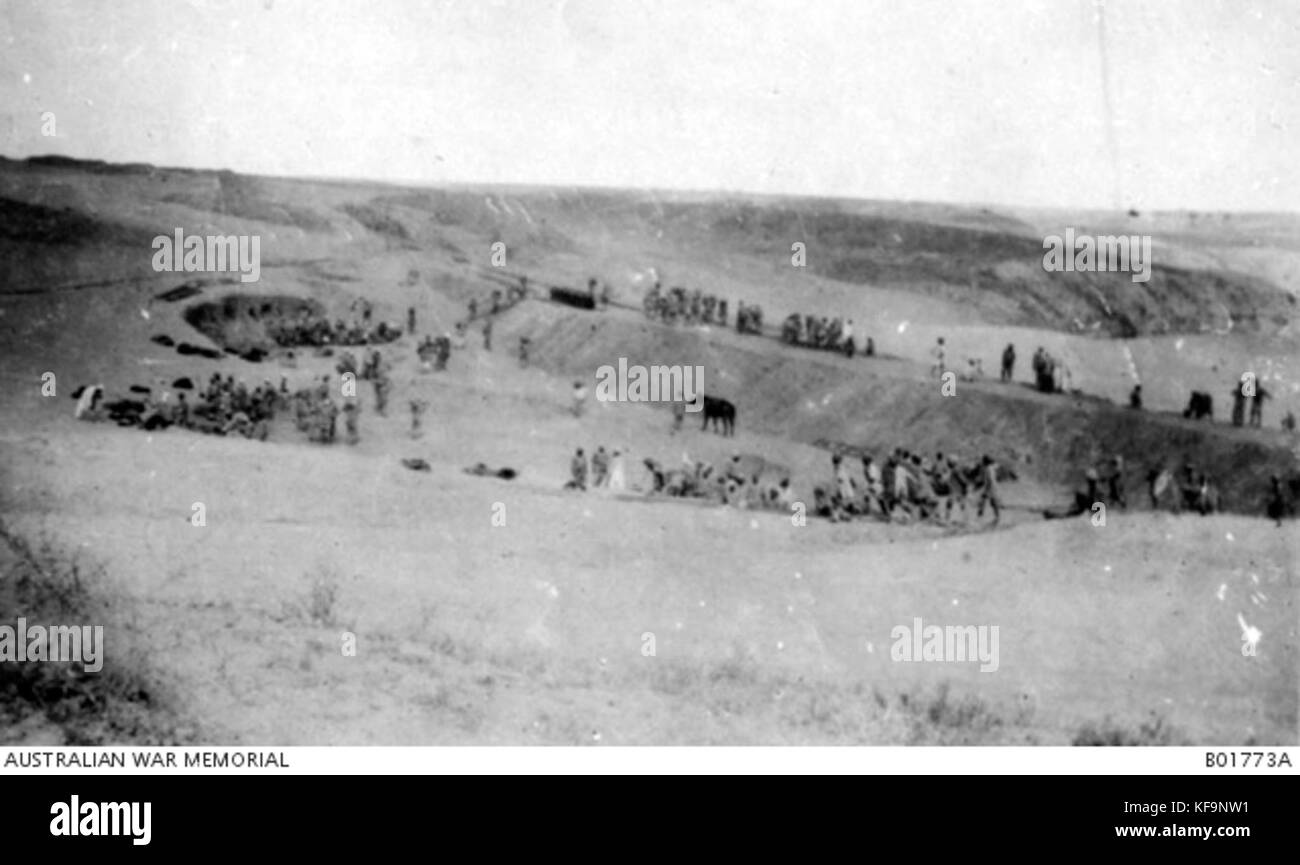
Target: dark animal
[(184, 383), (1201, 405), (722, 412)]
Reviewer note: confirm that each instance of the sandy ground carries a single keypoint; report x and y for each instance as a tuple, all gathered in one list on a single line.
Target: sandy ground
[(536, 631)]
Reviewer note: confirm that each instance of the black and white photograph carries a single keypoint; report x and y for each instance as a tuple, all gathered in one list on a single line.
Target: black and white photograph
[(582, 374)]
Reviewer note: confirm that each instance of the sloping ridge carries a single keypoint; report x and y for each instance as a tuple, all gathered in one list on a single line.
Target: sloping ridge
[(813, 398)]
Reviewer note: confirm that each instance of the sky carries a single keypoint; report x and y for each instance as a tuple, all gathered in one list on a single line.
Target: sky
[(1155, 104)]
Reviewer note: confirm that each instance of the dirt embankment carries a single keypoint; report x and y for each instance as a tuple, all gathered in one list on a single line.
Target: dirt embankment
[(881, 404)]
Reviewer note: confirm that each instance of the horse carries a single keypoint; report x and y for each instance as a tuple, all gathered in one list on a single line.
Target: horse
[(722, 412)]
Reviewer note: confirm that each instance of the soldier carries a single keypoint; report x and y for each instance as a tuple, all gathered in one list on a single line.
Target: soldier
[(238, 423), (902, 493), (331, 420), (577, 471), (579, 398), (733, 471), (418, 407), (351, 413), (1135, 397), (1257, 406), (617, 476), (1288, 422), (182, 412), (1238, 404), (410, 320), (382, 386), (874, 490), (599, 467), (938, 353), (443, 352), (487, 335), (960, 482), (1158, 480), (784, 495), (1278, 507), (523, 351), (1008, 362), (989, 495), (942, 485), (845, 491), (923, 488), (870, 350), (1116, 483)]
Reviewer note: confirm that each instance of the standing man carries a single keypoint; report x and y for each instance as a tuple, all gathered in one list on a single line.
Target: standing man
[(990, 495), (1116, 483), (599, 467), (845, 490), (578, 471), (938, 353), (487, 334), (1257, 406), (410, 320), (579, 398), (418, 407), (351, 410), (1238, 404), (1008, 362), (617, 476), (1277, 503)]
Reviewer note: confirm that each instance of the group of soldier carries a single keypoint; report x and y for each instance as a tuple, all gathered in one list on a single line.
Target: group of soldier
[(223, 407), (435, 351), (909, 487), (828, 334), (316, 330), (605, 470), (1255, 393), (679, 305), (1049, 373), (729, 485), (499, 301), (1192, 488), (749, 318)]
